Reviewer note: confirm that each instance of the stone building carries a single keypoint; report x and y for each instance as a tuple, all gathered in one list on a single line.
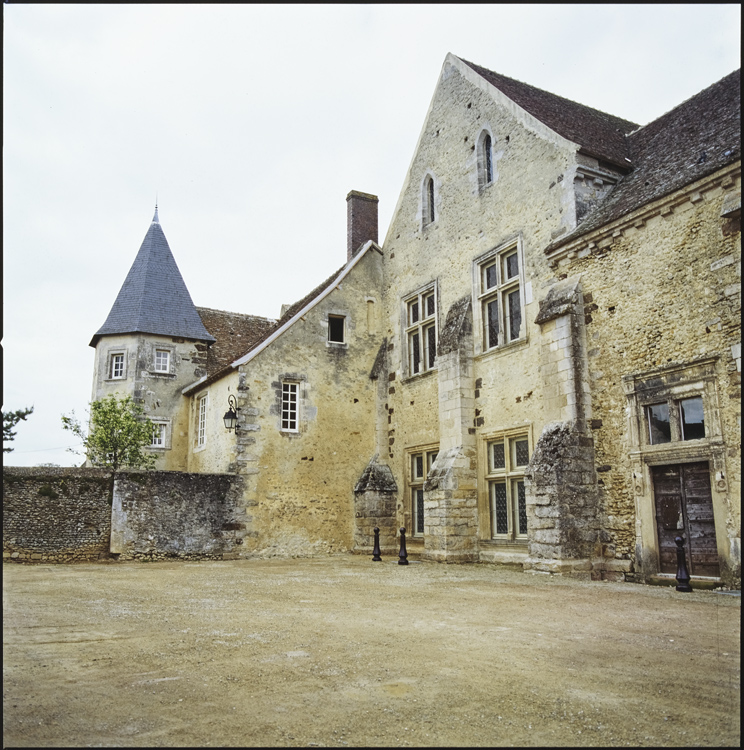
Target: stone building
[(539, 365)]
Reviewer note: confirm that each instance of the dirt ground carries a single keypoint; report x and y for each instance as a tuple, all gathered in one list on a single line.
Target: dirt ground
[(343, 651)]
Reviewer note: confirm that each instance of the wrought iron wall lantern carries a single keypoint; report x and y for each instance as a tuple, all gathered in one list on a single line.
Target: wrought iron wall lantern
[(231, 416)]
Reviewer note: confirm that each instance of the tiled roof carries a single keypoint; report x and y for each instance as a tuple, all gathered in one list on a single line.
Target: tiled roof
[(600, 135), (693, 140), (235, 334), (154, 298)]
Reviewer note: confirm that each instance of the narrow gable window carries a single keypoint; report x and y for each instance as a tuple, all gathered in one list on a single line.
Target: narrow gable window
[(289, 406), (336, 329), (428, 214), (485, 160), (421, 331)]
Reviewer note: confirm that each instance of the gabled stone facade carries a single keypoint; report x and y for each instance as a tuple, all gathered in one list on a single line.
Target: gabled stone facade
[(545, 342)]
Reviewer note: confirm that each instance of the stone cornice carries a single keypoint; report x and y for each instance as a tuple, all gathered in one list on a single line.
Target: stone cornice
[(601, 239)]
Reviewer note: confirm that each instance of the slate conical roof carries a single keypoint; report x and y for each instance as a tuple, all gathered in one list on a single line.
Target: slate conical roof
[(154, 298)]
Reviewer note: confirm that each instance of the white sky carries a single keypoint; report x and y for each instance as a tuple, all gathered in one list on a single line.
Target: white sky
[(251, 123)]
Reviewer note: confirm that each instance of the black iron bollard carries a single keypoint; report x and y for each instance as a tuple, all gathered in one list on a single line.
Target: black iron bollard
[(376, 549), (683, 577), (403, 555)]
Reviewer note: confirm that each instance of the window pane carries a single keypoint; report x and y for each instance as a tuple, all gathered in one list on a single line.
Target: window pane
[(415, 353), (692, 418), (419, 511), (431, 346), (659, 430), (521, 508), (418, 466), (336, 329), (487, 154), (521, 452), (512, 265), (500, 513), (490, 276), (497, 455), (492, 321), (515, 315), (429, 305), (413, 312)]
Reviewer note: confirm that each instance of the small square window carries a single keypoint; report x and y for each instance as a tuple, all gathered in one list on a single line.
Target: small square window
[(158, 434), (336, 329), (162, 360)]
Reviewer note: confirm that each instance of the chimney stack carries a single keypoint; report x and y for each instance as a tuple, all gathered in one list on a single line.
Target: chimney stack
[(361, 221)]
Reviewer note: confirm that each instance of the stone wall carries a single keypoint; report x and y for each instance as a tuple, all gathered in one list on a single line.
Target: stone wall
[(157, 515), (56, 515)]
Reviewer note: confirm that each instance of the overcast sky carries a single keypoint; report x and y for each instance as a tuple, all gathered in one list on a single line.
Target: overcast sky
[(251, 124)]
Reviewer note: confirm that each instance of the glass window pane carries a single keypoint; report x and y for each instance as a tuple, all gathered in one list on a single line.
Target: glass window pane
[(521, 508), (418, 466), (500, 513), (413, 312), (429, 305), (521, 454), (497, 456), (512, 265), (415, 353), (691, 418), (492, 321), (659, 429), (431, 457), (431, 346), (515, 315), (490, 276), (419, 511)]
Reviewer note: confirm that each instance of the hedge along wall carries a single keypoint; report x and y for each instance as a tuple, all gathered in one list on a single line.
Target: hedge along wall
[(68, 514), (160, 514), (56, 514)]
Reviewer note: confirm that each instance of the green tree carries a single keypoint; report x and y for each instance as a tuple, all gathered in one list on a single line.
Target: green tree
[(10, 420), (118, 434)]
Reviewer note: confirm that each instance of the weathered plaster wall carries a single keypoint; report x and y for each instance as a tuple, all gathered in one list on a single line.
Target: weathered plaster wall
[(174, 514), (56, 515), (299, 485)]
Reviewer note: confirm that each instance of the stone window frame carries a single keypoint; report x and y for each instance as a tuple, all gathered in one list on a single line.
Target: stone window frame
[(166, 434), (429, 200), (420, 327), (110, 359), (508, 476), (415, 482), (484, 160), (483, 295), (673, 383)]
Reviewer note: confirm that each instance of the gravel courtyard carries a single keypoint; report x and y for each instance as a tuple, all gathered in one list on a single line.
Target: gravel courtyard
[(342, 651)]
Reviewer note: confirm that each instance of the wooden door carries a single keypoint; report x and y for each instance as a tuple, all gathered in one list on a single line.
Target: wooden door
[(684, 507)]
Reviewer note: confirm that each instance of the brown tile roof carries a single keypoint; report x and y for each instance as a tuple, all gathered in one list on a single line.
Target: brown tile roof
[(600, 135), (690, 142), (235, 334)]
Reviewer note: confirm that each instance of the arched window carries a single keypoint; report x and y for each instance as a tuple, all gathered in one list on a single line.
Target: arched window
[(428, 202), (488, 159), (485, 160)]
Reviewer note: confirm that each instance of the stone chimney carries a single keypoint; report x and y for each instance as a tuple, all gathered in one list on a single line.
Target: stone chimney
[(361, 221)]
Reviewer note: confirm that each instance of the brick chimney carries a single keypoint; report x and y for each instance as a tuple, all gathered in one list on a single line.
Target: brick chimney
[(361, 221)]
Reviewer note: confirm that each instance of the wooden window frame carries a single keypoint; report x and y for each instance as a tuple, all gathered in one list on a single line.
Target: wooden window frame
[(289, 417)]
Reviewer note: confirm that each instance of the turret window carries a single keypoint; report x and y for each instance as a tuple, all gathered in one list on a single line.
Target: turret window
[(117, 369), (162, 360)]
